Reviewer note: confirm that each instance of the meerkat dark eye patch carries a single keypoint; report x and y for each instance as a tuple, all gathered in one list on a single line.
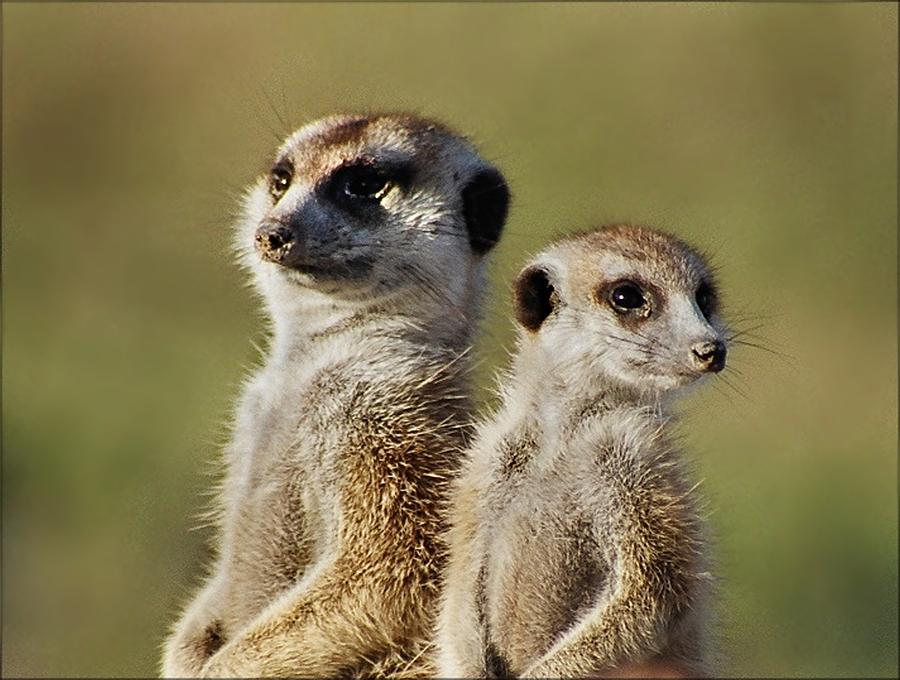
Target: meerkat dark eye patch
[(366, 183), (706, 298), (360, 183), (535, 297), (485, 204)]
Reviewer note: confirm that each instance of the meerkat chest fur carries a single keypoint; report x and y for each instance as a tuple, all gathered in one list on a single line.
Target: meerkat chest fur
[(556, 519), (288, 476)]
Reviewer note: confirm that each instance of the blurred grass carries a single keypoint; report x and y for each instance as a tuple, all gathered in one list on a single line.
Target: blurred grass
[(766, 133)]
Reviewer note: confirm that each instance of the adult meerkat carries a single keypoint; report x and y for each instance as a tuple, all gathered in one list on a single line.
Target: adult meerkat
[(367, 241), (576, 546)]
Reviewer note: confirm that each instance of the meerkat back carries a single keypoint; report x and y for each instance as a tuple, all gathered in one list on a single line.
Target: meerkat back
[(367, 242), (576, 544)]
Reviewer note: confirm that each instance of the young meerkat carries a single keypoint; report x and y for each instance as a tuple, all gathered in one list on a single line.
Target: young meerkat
[(576, 547), (367, 242)]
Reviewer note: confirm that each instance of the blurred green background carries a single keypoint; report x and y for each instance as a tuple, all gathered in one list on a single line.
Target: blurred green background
[(766, 133)]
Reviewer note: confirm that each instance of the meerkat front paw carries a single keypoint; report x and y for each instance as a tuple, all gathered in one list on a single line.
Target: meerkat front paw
[(251, 658), (542, 668), (220, 667), (633, 669), (181, 667), (188, 652)]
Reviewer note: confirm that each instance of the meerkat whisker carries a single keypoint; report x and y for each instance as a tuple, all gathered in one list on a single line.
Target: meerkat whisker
[(783, 355), (733, 387)]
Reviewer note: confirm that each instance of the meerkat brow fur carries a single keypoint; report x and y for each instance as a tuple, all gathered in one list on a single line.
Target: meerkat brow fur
[(576, 543), (367, 242)]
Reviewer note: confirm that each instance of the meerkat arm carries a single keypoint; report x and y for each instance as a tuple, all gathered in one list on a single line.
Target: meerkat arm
[(654, 557), (629, 625), (612, 632), (372, 594), (195, 638), (321, 626), (459, 634)]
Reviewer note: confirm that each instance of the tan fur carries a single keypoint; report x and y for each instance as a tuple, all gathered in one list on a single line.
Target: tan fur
[(576, 544), (346, 439)]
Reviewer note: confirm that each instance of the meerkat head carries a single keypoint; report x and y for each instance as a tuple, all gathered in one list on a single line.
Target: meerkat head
[(360, 207), (625, 304)]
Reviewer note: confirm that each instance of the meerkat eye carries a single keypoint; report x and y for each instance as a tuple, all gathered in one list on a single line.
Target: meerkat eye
[(706, 298), (281, 176), (363, 182), (626, 297)]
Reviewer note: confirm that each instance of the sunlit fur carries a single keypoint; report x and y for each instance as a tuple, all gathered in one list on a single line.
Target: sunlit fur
[(576, 543), (346, 438)]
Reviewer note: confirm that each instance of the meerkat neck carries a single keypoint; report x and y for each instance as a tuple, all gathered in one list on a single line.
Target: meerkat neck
[(555, 395), (316, 321)]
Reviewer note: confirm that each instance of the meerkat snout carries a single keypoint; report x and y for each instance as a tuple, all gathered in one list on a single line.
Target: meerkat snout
[(274, 241)]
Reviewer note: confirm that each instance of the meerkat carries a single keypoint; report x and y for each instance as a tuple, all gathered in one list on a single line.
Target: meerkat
[(367, 240), (576, 545)]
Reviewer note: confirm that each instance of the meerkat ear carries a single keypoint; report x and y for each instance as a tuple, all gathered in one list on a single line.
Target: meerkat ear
[(485, 203), (535, 297)]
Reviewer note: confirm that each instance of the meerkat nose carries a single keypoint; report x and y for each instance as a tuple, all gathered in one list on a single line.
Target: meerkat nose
[(272, 237), (709, 355)]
